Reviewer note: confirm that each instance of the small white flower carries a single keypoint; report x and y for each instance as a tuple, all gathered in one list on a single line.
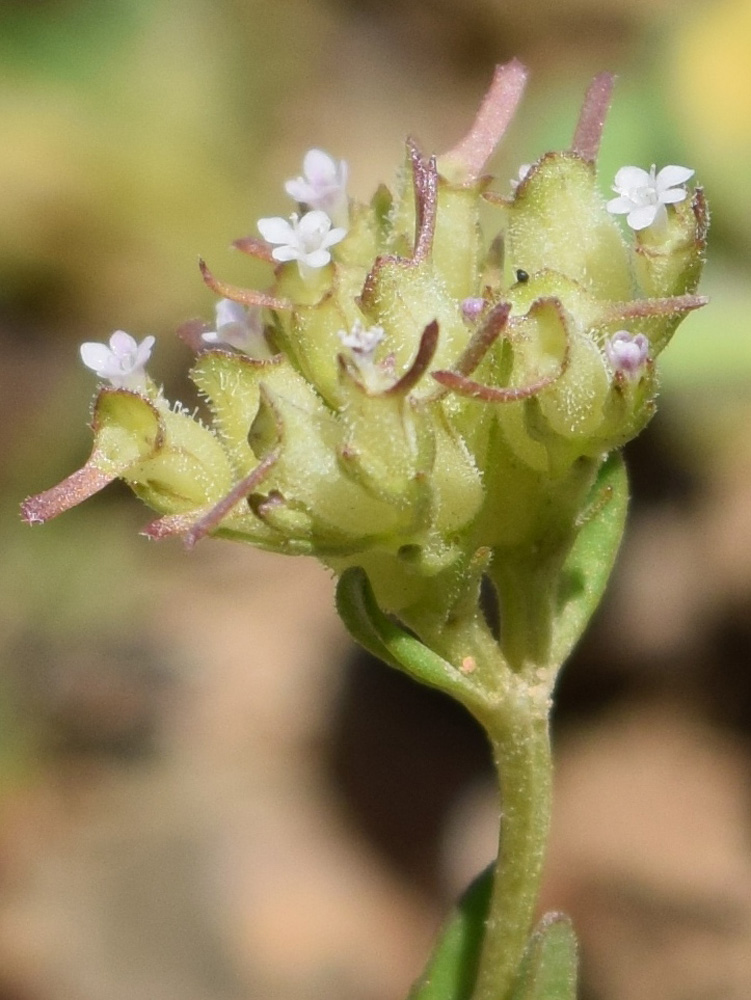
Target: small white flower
[(323, 186), (123, 363), (626, 353), (361, 340), (642, 195), (240, 328), (306, 240)]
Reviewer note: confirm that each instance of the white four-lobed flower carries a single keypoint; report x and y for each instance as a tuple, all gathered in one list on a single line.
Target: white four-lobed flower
[(123, 363), (323, 185), (627, 353), (643, 195), (362, 340), (240, 328), (306, 240), (362, 343)]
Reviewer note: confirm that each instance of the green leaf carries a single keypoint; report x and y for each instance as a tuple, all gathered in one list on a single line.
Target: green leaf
[(452, 967), (390, 642), (548, 970), (587, 569)]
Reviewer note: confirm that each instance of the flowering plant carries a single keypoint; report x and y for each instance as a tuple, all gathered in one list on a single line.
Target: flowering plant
[(423, 409)]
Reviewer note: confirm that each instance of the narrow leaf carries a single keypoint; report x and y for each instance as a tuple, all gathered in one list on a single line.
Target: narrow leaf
[(548, 970), (452, 967), (390, 642), (588, 567)]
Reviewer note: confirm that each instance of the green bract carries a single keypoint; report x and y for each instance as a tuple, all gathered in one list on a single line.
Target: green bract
[(471, 441)]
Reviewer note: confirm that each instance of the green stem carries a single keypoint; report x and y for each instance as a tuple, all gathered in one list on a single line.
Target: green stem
[(521, 750)]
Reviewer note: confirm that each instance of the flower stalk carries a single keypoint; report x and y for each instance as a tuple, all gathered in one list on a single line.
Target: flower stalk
[(520, 744)]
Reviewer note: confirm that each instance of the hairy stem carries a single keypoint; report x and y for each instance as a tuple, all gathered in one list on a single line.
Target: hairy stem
[(521, 750)]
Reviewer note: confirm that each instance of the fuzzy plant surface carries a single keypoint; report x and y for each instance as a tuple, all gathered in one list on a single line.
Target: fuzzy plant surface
[(424, 405)]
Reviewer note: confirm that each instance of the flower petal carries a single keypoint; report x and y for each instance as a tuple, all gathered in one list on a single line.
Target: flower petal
[(642, 217), (94, 356), (673, 195), (620, 205), (299, 189), (276, 230), (142, 353), (286, 253), (228, 311), (315, 223), (122, 343), (333, 237), (319, 168), (317, 258), (671, 175), (628, 178)]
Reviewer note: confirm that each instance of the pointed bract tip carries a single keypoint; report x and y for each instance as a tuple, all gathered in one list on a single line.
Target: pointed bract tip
[(254, 247), (425, 179), (592, 117), (425, 351), (78, 487), (466, 161), (245, 296)]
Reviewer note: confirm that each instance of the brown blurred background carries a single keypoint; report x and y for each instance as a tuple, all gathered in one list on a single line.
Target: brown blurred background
[(206, 793)]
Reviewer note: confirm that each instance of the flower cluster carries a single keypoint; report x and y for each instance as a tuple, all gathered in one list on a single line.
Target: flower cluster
[(401, 397)]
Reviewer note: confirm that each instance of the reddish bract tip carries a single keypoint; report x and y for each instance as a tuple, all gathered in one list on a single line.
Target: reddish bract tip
[(425, 352), (641, 308), (78, 487), (457, 382), (255, 247), (169, 526), (467, 159), (592, 117), (245, 296), (425, 179), (493, 394), (239, 492), (483, 339)]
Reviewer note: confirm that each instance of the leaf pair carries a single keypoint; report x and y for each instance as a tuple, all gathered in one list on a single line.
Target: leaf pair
[(547, 971)]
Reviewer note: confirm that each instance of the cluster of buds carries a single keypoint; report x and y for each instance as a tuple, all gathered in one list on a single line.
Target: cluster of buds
[(409, 396)]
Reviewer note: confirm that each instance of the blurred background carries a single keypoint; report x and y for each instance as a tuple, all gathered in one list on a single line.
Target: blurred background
[(206, 792)]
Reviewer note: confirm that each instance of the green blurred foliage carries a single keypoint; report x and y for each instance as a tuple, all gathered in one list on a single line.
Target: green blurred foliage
[(135, 135)]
